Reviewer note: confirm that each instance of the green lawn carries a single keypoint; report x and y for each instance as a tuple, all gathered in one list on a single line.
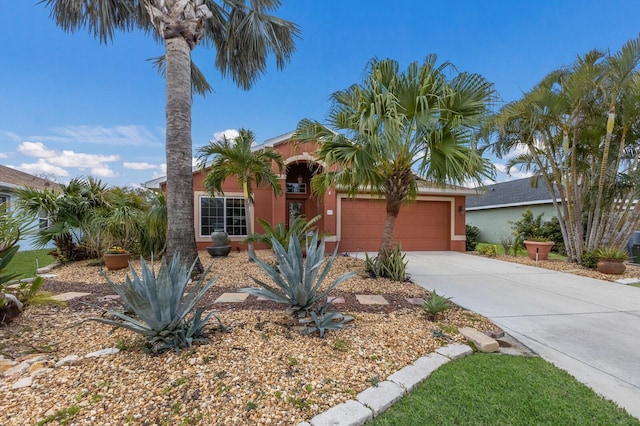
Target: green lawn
[(24, 262), (523, 252), (491, 389)]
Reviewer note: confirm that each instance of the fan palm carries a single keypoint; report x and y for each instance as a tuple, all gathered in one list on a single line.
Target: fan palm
[(395, 127), (237, 158), (243, 35)]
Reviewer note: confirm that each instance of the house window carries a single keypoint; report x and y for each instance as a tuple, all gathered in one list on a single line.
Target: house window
[(4, 199), (222, 213), (43, 220)]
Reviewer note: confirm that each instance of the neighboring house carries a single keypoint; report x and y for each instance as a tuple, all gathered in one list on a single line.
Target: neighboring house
[(435, 221), (497, 205), (12, 179)]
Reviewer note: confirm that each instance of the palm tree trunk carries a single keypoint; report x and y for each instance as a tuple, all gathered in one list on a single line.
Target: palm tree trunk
[(249, 219), (181, 236), (387, 243)]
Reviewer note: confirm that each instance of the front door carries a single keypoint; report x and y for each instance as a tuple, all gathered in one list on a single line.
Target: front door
[(295, 209)]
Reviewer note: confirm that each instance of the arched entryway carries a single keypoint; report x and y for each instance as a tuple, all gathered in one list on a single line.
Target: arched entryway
[(299, 199)]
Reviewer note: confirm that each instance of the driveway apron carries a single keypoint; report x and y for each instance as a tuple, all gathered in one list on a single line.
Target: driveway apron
[(587, 327)]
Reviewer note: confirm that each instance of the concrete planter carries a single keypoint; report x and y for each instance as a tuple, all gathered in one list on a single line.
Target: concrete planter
[(538, 250)]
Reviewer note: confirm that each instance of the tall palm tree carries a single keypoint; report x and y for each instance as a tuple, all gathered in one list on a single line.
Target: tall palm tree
[(235, 157), (244, 35), (395, 127)]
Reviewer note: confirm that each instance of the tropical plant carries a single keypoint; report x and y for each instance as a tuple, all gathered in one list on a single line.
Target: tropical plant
[(611, 253), (236, 157), (243, 35), (393, 266), (167, 317), (86, 216), (153, 239), (590, 163), (528, 227), (395, 128), (297, 283), (435, 304), (300, 226)]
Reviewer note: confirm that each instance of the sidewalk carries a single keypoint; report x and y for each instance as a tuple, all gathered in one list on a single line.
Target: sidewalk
[(588, 327)]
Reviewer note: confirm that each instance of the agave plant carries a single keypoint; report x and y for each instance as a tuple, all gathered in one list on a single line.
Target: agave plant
[(167, 318), (297, 283)]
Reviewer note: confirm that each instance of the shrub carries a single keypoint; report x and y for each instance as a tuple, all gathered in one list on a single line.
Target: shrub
[(393, 267), (298, 284), (300, 226), (436, 304), (590, 259), (528, 227), (168, 319), (487, 250), (551, 231), (472, 233)]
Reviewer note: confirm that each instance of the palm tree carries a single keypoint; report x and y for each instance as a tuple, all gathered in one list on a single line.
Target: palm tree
[(243, 36), (397, 127), (237, 158), (593, 165)]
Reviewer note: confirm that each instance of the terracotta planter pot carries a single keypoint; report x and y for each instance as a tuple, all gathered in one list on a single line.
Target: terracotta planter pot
[(541, 248), (612, 267), (113, 262)]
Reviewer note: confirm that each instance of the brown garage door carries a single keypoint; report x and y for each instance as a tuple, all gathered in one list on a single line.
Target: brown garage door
[(421, 225)]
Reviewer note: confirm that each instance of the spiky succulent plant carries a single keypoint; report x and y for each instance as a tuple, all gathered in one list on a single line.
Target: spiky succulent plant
[(297, 282), (165, 315)]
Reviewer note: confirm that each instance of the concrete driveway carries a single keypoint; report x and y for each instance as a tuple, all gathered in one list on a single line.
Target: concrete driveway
[(588, 327)]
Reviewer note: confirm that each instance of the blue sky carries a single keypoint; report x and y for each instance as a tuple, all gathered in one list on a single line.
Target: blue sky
[(70, 106)]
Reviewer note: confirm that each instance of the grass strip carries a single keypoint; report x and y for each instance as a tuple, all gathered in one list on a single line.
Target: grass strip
[(24, 262), (491, 389)]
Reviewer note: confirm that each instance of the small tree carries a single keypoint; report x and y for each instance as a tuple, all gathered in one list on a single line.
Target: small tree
[(237, 158)]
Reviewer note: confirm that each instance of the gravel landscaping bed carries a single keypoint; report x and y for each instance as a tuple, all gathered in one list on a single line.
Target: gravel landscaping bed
[(259, 373)]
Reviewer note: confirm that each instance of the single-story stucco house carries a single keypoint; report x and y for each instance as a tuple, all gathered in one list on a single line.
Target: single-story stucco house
[(435, 221), (12, 179), (492, 209)]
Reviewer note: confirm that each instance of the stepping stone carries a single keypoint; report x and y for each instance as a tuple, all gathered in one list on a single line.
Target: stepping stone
[(371, 299), (415, 300), (232, 298), (262, 299), (64, 297), (335, 300)]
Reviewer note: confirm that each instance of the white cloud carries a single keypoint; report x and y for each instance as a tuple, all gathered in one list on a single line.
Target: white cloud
[(42, 168), (514, 172), (3, 155), (117, 135), (103, 171), (10, 135), (229, 133), (82, 161), (139, 166), (36, 149), (55, 162), (161, 173)]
